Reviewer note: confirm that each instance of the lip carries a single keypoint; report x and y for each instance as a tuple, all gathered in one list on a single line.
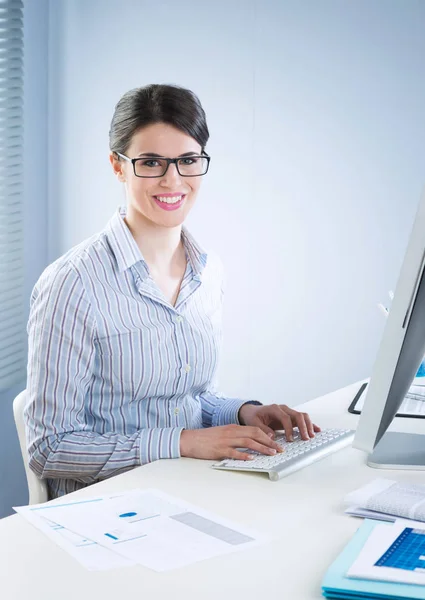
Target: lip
[(169, 207)]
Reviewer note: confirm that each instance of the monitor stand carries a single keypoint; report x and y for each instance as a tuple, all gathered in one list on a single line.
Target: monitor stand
[(399, 451)]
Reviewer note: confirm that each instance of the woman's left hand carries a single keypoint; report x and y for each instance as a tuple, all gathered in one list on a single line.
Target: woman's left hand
[(278, 416)]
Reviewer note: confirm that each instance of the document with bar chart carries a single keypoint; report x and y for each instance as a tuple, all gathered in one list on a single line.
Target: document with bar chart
[(88, 553), (154, 529)]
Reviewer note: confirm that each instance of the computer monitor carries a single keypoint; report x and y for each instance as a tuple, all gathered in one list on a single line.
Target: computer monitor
[(399, 357)]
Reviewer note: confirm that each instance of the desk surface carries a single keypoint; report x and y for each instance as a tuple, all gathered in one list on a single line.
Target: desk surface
[(304, 513)]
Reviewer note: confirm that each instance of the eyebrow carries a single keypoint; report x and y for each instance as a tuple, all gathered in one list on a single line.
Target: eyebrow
[(154, 155)]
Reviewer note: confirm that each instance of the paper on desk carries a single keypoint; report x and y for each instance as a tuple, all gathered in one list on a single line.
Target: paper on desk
[(156, 530), (409, 560), (413, 404), (358, 511), (418, 389), (88, 553), (406, 500)]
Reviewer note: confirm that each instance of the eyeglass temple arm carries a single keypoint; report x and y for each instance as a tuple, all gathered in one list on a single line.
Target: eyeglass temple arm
[(124, 157)]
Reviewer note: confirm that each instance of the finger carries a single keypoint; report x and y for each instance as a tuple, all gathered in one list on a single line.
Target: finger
[(284, 421), (310, 428), (299, 419), (287, 425), (238, 455), (268, 430), (253, 445), (302, 425), (257, 434)]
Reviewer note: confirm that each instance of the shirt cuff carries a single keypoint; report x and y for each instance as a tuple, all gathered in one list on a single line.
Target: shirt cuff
[(226, 413), (159, 443)]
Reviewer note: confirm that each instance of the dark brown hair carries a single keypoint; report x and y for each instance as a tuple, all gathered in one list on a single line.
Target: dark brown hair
[(157, 103)]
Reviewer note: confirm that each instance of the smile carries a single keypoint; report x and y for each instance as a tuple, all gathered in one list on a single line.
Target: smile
[(169, 199), (169, 202)]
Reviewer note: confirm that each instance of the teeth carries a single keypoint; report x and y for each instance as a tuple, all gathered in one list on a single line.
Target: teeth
[(169, 200)]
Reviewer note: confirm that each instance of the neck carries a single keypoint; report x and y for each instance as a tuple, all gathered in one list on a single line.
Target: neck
[(159, 245)]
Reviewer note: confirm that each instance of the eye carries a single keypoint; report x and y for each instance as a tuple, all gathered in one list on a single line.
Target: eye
[(149, 163), (189, 161)]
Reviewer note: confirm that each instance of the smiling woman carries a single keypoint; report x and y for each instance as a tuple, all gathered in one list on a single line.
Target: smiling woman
[(125, 329), (149, 125)]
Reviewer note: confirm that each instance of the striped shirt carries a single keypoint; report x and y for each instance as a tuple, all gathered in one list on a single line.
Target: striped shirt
[(115, 372)]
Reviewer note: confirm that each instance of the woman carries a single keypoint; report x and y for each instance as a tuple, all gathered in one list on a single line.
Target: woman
[(124, 329)]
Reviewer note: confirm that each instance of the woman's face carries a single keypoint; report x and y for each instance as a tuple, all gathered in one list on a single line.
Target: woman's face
[(143, 194)]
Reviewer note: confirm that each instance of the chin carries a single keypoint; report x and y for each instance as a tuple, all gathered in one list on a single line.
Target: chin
[(171, 223), (171, 219)]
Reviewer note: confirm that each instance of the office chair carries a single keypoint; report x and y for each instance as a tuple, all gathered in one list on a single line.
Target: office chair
[(37, 488)]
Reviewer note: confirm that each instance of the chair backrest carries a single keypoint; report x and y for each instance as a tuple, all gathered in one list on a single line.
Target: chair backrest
[(37, 488)]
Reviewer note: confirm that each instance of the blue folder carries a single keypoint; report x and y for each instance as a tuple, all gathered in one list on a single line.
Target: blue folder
[(336, 585)]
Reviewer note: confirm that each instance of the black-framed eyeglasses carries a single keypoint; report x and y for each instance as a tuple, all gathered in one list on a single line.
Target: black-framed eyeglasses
[(153, 166)]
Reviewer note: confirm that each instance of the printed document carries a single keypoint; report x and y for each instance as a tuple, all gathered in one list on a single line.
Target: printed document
[(412, 405), (153, 529), (388, 499), (393, 553), (88, 553)]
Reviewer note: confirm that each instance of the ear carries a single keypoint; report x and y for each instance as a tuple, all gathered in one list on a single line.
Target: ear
[(117, 167)]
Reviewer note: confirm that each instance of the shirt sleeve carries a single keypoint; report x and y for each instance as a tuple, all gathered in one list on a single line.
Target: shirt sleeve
[(217, 410), (61, 351)]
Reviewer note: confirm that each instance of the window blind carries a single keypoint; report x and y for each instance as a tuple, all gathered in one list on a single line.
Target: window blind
[(12, 325)]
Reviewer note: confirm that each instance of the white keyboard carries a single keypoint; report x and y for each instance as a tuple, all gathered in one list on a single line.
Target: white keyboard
[(296, 455)]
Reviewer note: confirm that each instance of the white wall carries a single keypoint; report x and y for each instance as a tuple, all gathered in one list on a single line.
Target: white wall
[(316, 111)]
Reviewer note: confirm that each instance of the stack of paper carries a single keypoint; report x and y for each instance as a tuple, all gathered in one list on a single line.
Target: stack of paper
[(138, 527), (386, 500), (377, 565)]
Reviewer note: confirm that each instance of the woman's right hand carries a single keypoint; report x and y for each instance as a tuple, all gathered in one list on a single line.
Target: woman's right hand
[(217, 443)]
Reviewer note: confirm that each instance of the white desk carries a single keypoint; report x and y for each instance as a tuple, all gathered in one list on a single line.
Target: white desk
[(303, 511)]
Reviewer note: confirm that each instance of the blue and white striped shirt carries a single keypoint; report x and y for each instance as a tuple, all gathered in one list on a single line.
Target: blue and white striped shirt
[(115, 372)]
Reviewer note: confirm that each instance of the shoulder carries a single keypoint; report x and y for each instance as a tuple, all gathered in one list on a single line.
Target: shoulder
[(66, 271), (214, 268)]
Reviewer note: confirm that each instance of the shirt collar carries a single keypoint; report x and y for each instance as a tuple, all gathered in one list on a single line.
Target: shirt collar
[(122, 243), (127, 252), (195, 253)]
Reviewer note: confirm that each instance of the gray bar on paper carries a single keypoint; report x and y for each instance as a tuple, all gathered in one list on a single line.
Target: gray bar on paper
[(225, 534)]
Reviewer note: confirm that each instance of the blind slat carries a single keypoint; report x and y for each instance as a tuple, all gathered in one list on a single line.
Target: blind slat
[(13, 373), (14, 348), (12, 325), (12, 313), (9, 296), (14, 377), (8, 358)]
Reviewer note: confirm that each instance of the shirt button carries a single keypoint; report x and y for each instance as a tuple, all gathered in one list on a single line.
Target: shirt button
[(179, 319), (176, 411), (187, 368)]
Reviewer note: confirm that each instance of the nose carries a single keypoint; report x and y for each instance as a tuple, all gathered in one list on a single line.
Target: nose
[(171, 177)]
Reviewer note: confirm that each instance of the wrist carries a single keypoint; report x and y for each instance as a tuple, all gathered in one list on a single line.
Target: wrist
[(185, 443), (246, 410)]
